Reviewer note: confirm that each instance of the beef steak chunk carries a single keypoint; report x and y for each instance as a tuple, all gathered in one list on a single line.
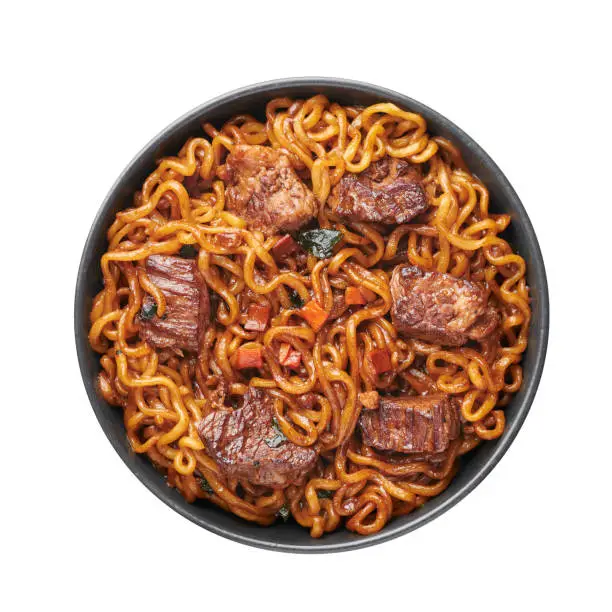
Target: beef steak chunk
[(389, 191), (419, 424), (263, 188), (187, 304), (439, 308), (245, 443)]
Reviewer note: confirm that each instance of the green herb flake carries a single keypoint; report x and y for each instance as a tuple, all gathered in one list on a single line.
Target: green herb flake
[(256, 463), (148, 310), (188, 251), (276, 440), (205, 486), (277, 427), (295, 298), (324, 494), (319, 242), (284, 513), (118, 352)]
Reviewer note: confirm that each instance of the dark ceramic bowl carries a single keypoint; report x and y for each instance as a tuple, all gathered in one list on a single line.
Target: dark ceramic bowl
[(475, 466)]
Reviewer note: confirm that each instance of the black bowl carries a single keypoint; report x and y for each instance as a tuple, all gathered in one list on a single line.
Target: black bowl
[(291, 537)]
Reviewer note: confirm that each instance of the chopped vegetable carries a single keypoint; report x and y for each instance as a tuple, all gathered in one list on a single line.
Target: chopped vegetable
[(274, 441), (257, 317), (369, 296), (354, 297), (381, 360), (283, 351), (294, 360), (295, 298), (319, 242), (249, 357), (314, 315), (285, 246), (358, 296), (278, 438), (205, 486), (288, 356), (188, 251), (284, 513), (369, 399), (324, 494), (148, 310)]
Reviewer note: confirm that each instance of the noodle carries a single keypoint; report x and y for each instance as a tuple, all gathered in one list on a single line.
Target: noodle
[(164, 394)]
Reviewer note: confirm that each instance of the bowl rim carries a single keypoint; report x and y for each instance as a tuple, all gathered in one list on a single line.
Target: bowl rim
[(536, 264)]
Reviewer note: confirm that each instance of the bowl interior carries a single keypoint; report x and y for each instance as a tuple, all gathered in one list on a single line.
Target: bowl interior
[(475, 466)]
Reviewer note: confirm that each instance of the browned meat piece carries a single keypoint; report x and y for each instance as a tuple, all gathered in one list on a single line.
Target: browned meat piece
[(246, 444), (420, 424), (187, 304), (389, 191), (440, 308), (263, 188)]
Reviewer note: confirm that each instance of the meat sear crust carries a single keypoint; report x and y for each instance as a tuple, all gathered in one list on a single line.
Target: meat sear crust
[(245, 444), (420, 424), (389, 191), (439, 308), (263, 188), (187, 304)]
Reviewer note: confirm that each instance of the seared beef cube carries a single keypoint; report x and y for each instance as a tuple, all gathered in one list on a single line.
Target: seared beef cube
[(421, 424), (246, 444), (440, 308), (263, 188), (187, 304), (389, 191)]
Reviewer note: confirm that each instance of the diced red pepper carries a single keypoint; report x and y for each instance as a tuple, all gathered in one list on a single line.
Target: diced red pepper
[(285, 246), (369, 296), (248, 357), (288, 356), (381, 360), (283, 351), (314, 315), (294, 360), (257, 317), (354, 297)]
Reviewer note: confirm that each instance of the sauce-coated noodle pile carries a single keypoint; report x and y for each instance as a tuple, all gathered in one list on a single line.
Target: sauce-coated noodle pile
[(165, 394)]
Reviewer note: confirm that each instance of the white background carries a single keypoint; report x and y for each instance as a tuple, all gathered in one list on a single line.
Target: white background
[(86, 85)]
